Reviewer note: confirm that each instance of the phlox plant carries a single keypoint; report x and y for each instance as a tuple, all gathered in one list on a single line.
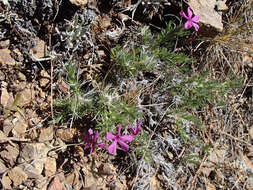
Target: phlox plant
[(91, 139), (118, 140)]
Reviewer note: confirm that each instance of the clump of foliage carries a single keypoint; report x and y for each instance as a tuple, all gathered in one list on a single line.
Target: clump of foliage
[(112, 110), (153, 52), (132, 60), (79, 103), (199, 91)]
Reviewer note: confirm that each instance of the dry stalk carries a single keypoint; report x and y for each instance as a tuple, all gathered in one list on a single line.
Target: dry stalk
[(198, 172), (51, 73), (236, 139)]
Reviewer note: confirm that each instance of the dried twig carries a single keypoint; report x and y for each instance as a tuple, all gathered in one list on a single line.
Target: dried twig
[(236, 139), (198, 172)]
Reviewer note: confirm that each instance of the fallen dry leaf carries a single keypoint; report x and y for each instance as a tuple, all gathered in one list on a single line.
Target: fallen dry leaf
[(7, 126), (79, 2), (2, 136), (26, 96), (41, 183), (6, 182), (123, 17), (62, 85), (18, 55), (215, 157), (4, 44), (2, 167), (92, 187), (107, 169), (119, 186), (35, 169), (32, 151), (17, 176), (105, 22), (50, 166), (5, 58), (90, 179), (73, 180), (44, 81), (154, 183), (55, 184), (66, 135), (126, 3), (210, 187), (21, 76), (46, 134), (6, 98), (19, 125), (39, 49), (221, 5), (10, 154)]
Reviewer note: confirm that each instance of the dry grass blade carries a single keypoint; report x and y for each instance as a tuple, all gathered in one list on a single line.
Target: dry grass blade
[(51, 73)]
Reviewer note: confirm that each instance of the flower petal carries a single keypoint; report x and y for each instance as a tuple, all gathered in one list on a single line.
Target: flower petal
[(195, 26), (119, 129), (123, 145), (110, 136), (127, 138), (188, 24), (103, 145), (112, 147), (135, 131), (138, 128), (196, 18), (86, 146), (189, 11), (132, 130), (90, 131), (95, 137), (183, 14)]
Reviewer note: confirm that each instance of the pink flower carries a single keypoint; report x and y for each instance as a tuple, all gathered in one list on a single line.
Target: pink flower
[(91, 140), (135, 131), (191, 21), (118, 139)]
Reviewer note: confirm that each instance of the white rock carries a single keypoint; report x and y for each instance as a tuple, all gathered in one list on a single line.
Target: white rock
[(208, 14), (79, 2)]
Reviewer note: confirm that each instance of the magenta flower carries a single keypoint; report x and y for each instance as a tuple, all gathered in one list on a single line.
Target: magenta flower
[(135, 131), (191, 21), (118, 139), (91, 140)]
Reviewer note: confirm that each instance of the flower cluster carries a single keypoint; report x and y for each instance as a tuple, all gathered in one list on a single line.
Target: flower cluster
[(91, 139)]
